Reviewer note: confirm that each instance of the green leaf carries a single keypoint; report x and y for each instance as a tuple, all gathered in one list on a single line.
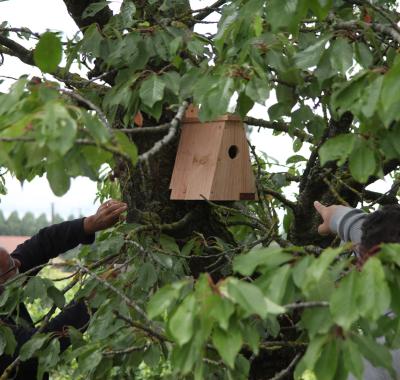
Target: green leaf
[(152, 90), (337, 148), (244, 105), (126, 145), (267, 257), (251, 335), (390, 252), (371, 98), (295, 159), (36, 288), (317, 269), (352, 359), (320, 7), (343, 304), (363, 55), (58, 178), (8, 341), (390, 94), (94, 8), (147, 276), (248, 296), (56, 295), (374, 291), (168, 244), (362, 162), (215, 101), (311, 55), (228, 344), (275, 283), (48, 52), (31, 347), (163, 299), (341, 55), (222, 310), (182, 321), (257, 90), (285, 14), (377, 354), (316, 321), (49, 357), (311, 356), (326, 365)]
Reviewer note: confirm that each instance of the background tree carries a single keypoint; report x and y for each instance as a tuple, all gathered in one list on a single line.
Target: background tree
[(28, 225), (14, 224), (330, 70)]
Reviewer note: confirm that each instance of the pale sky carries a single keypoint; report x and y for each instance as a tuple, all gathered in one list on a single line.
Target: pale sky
[(36, 196)]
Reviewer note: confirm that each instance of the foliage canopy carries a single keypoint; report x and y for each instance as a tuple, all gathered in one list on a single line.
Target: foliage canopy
[(211, 290)]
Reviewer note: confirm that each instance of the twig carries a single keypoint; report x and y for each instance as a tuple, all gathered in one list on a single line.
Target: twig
[(90, 104), (306, 305), (127, 300), (168, 137), (280, 127), (125, 351), (146, 130), (137, 325), (335, 192), (282, 374)]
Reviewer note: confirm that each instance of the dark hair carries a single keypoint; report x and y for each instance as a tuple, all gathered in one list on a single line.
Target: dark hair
[(382, 226)]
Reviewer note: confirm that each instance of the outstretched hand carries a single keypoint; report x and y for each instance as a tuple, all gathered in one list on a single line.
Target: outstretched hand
[(108, 214), (326, 213)]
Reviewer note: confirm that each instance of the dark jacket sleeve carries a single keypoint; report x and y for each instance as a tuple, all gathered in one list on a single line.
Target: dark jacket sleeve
[(50, 242)]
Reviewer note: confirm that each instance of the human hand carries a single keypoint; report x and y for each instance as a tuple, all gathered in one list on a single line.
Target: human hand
[(108, 214), (326, 213)]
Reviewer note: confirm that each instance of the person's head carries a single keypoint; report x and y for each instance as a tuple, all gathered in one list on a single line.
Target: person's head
[(8, 266), (381, 226)]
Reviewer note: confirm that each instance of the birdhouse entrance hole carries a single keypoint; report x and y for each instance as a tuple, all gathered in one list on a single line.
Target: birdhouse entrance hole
[(212, 161), (233, 151)]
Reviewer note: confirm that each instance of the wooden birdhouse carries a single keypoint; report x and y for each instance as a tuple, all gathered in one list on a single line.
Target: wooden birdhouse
[(212, 161)]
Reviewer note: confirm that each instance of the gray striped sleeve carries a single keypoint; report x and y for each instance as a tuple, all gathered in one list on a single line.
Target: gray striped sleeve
[(347, 222)]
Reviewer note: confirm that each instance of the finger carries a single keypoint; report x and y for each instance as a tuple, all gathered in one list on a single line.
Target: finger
[(113, 217), (118, 211), (115, 206), (319, 207)]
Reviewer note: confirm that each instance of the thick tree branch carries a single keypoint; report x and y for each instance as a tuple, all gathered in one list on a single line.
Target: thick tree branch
[(203, 13), (380, 28), (77, 7), (12, 48), (17, 50)]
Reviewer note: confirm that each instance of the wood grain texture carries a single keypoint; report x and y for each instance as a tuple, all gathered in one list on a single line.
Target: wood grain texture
[(203, 165)]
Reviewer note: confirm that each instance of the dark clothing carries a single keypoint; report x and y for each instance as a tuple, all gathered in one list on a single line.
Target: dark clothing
[(48, 243)]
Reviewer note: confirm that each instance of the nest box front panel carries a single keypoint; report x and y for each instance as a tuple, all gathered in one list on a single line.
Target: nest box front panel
[(196, 161), (234, 178)]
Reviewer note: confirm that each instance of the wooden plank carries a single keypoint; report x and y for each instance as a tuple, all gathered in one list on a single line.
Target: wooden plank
[(234, 175), (196, 161)]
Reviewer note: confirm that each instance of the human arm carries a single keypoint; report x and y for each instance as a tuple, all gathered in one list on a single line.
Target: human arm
[(344, 221), (59, 238)]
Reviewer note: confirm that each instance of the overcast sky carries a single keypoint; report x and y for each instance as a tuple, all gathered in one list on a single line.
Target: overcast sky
[(36, 196)]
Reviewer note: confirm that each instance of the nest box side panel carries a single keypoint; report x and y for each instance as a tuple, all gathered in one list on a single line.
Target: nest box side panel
[(196, 161), (234, 178)]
